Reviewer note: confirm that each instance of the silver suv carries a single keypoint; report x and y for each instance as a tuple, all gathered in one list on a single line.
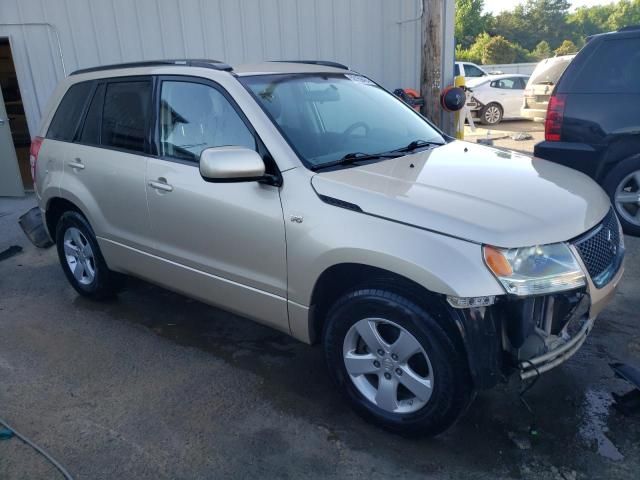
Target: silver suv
[(308, 198)]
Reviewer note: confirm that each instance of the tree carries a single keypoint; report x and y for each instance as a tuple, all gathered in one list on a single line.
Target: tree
[(470, 22), (567, 48), (499, 50), (542, 51), (625, 13)]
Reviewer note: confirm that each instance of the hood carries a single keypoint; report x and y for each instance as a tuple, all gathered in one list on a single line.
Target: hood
[(473, 192)]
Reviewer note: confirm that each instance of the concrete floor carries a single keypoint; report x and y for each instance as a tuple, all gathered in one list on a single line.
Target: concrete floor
[(501, 134), (154, 385)]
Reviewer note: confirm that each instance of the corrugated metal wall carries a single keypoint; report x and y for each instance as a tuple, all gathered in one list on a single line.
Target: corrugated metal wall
[(380, 38)]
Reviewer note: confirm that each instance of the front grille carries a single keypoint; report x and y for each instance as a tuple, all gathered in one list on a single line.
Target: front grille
[(602, 250)]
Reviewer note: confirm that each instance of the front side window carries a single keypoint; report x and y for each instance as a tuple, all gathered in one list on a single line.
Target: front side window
[(327, 116), (506, 84), (472, 71), (126, 114), (193, 117), (67, 117)]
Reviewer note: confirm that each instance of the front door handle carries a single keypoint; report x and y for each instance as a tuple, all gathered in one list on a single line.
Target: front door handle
[(77, 163), (1, 121), (161, 184)]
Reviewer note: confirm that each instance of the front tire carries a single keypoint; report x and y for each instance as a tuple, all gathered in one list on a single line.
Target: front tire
[(81, 259), (623, 187), (491, 114), (397, 366)]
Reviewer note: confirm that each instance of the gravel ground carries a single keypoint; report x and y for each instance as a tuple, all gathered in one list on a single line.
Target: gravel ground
[(154, 385)]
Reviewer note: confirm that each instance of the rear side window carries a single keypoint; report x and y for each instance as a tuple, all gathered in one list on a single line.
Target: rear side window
[(126, 114), (67, 117), (91, 130), (614, 67)]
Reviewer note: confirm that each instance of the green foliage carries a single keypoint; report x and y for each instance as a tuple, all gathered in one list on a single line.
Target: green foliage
[(499, 50), (470, 21), (542, 51), (537, 28), (567, 48)]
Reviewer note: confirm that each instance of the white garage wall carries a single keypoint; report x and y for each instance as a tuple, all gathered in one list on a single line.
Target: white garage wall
[(380, 38)]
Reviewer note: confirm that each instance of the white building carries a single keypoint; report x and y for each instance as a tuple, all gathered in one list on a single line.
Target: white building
[(41, 41)]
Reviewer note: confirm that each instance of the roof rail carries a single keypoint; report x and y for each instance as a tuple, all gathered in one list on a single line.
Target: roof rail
[(204, 63), (324, 63), (630, 28)]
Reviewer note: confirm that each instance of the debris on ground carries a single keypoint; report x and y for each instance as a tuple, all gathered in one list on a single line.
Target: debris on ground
[(522, 136), (10, 252), (5, 433), (520, 441), (629, 403)]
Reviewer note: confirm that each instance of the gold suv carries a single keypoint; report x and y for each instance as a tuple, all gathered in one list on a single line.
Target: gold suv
[(305, 196)]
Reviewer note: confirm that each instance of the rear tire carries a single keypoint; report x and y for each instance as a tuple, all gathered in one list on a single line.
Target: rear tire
[(491, 114), (432, 387), (81, 259), (623, 187)]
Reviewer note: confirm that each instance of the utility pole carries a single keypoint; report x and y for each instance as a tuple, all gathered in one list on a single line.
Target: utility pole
[(437, 59)]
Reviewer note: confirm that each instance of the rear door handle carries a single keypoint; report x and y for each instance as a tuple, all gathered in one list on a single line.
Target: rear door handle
[(161, 184), (77, 163)]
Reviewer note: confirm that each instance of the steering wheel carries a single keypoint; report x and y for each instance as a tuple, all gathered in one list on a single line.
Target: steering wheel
[(355, 126)]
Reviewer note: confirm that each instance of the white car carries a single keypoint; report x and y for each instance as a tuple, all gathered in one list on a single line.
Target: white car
[(469, 70), (495, 98)]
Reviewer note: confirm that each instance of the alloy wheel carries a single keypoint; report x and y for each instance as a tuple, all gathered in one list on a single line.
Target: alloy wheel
[(627, 198), (388, 366), (79, 256), (492, 114)]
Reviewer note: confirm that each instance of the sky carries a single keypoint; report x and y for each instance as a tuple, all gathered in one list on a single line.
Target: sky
[(496, 6)]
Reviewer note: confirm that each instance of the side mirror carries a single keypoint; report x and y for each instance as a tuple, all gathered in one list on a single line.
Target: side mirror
[(231, 164)]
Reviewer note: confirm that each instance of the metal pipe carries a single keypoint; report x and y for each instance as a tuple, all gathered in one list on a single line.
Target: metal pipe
[(416, 18), (43, 24)]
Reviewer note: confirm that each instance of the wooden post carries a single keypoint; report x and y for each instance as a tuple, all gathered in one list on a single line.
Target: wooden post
[(430, 77), (437, 59)]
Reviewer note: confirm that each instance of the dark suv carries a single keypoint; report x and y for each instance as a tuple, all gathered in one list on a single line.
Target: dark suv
[(593, 119)]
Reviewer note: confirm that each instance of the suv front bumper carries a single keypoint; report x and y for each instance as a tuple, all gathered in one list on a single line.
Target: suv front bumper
[(574, 334)]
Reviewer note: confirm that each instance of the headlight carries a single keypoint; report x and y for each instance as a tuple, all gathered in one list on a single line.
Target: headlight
[(535, 270)]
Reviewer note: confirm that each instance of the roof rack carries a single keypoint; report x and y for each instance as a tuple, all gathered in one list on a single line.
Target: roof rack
[(204, 63), (630, 28), (324, 63)]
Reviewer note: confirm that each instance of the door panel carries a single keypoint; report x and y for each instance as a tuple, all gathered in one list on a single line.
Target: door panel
[(232, 234), (111, 185), (234, 231)]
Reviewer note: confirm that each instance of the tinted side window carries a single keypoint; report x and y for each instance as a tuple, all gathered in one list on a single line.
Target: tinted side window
[(125, 115), (91, 130), (457, 70), (67, 117), (614, 67), (194, 117)]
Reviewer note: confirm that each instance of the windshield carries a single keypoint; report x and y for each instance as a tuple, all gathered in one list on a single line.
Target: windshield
[(326, 117), (549, 71)]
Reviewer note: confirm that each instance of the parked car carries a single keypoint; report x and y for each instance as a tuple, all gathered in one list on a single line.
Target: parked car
[(496, 98), (308, 198), (541, 84), (469, 70), (593, 123)]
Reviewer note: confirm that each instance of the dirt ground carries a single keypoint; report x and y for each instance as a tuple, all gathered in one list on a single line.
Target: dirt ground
[(153, 385)]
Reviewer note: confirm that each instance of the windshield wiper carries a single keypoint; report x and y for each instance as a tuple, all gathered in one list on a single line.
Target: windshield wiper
[(417, 144), (351, 158)]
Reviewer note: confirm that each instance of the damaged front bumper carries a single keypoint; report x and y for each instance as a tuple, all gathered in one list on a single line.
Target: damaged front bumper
[(531, 335)]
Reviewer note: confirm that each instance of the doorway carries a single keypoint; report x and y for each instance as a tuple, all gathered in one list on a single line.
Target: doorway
[(14, 132)]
